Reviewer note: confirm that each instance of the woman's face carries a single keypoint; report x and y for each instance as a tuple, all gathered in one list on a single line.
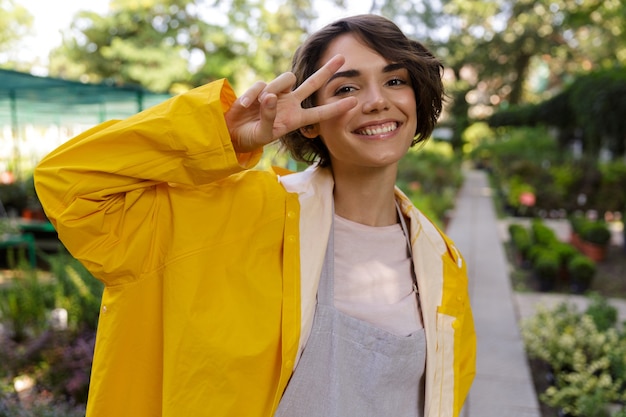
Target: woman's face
[(379, 130)]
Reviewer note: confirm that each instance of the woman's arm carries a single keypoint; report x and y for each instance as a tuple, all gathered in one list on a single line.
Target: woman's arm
[(103, 189), (106, 191)]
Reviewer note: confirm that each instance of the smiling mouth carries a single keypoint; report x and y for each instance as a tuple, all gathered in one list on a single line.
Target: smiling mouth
[(378, 130)]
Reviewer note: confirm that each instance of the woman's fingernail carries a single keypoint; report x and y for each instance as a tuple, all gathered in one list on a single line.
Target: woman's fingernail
[(245, 101)]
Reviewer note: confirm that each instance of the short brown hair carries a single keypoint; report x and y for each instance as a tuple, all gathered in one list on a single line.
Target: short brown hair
[(384, 37)]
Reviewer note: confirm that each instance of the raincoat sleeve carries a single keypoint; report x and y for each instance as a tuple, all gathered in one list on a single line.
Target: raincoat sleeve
[(104, 190)]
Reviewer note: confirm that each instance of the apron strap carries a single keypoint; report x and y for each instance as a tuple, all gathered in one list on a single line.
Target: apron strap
[(409, 249)]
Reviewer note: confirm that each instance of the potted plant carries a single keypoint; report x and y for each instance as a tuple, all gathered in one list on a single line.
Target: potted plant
[(541, 233), (546, 268), (581, 270), (566, 252), (576, 225), (595, 237), (520, 243)]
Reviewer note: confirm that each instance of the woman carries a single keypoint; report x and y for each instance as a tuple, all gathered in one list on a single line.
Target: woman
[(235, 292)]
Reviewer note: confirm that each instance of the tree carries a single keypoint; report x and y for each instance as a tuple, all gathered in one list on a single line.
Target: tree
[(166, 45), (591, 109), (497, 53), (15, 23), (508, 52), (155, 43)]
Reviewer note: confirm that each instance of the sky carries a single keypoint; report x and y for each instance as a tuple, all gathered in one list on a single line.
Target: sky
[(52, 17)]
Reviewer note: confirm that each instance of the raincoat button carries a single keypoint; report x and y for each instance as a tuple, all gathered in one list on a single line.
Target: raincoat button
[(291, 215), (291, 239), (456, 324), (104, 309)]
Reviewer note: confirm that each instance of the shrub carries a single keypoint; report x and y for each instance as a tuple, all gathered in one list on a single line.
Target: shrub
[(546, 266), (593, 231), (581, 268), (518, 187), (520, 239), (41, 406), (542, 234), (76, 290), (602, 313), (431, 177), (24, 303), (58, 359), (577, 223), (596, 232), (546, 263), (534, 252), (565, 251), (588, 360)]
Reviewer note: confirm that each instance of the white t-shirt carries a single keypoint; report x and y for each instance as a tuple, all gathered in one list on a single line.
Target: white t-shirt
[(373, 279)]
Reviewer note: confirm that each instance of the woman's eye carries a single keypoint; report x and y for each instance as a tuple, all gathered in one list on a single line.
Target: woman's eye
[(344, 90), (396, 81)]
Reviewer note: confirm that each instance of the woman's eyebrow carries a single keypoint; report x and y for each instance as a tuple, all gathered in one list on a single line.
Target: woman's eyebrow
[(394, 67), (356, 73), (344, 74)]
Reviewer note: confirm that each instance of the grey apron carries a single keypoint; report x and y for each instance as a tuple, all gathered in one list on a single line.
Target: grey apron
[(350, 368)]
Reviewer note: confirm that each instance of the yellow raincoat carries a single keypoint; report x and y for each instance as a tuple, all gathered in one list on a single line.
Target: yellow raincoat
[(211, 268)]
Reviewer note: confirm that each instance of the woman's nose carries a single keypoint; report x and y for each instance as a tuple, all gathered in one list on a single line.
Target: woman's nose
[(375, 101)]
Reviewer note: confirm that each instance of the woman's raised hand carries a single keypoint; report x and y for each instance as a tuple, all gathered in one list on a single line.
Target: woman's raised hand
[(267, 111)]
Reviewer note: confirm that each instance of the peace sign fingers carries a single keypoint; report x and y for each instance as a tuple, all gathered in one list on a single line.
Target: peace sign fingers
[(319, 78)]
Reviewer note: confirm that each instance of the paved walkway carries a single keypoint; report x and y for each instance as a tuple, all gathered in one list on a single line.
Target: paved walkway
[(503, 386)]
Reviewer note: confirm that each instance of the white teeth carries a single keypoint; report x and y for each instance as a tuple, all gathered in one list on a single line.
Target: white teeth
[(378, 130)]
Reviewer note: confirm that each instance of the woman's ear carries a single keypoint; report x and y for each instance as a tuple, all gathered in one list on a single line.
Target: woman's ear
[(310, 131)]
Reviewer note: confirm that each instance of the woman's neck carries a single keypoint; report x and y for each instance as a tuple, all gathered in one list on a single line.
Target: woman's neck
[(366, 198)]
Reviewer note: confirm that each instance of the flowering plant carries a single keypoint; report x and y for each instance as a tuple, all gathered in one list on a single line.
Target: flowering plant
[(588, 361)]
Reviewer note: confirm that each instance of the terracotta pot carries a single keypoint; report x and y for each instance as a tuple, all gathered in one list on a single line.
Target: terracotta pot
[(594, 251), (574, 239)]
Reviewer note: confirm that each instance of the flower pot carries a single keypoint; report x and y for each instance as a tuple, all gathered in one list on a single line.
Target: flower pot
[(545, 284), (574, 239), (594, 251), (579, 287)]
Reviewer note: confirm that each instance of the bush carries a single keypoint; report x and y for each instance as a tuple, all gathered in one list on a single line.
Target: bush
[(542, 234), (431, 177), (546, 264), (581, 271), (592, 231), (602, 313), (41, 406), (565, 251), (577, 223), (596, 232), (588, 360), (76, 291), (520, 239), (56, 358), (534, 252), (581, 267), (25, 302), (533, 160)]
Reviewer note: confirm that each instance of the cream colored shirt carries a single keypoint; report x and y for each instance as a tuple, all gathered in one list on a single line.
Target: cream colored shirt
[(373, 280)]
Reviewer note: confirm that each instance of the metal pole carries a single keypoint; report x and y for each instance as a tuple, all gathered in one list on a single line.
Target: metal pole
[(15, 133), (139, 101)]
